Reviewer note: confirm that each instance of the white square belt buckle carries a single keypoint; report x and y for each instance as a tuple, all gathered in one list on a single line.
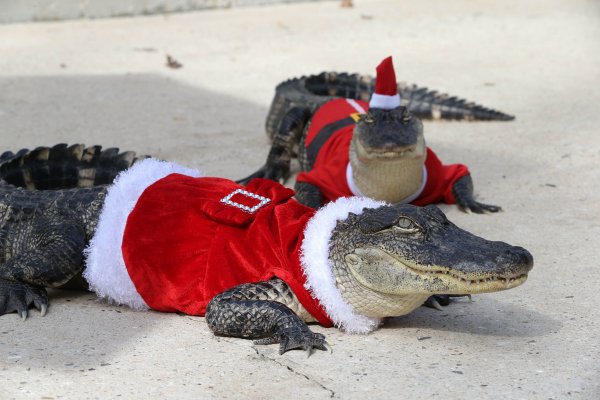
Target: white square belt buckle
[(262, 200)]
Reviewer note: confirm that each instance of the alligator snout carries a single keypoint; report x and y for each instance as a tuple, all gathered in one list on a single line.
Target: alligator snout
[(472, 257), (515, 260)]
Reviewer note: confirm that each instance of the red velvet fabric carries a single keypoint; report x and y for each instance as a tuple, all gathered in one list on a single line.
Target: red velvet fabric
[(330, 112), (440, 179), (329, 169), (182, 245)]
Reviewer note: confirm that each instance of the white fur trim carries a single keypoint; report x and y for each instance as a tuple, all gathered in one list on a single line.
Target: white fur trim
[(384, 101), (105, 268), (350, 181), (356, 106), (318, 269)]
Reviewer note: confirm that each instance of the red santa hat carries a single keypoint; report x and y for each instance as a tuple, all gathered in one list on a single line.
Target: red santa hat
[(386, 90)]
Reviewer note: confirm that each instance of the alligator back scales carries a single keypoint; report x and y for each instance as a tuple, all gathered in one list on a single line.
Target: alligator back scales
[(62, 166)]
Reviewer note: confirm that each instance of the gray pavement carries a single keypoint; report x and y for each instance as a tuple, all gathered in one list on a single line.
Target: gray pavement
[(105, 82)]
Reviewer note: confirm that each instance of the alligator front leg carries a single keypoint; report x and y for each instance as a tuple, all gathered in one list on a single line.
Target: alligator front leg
[(50, 258), (245, 312), (463, 195), (277, 167), (308, 194)]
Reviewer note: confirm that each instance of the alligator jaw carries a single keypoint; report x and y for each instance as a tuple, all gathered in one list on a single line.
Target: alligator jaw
[(475, 284), (390, 153), (401, 277)]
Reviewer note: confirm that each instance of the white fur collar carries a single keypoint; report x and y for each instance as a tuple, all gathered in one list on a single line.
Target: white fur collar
[(318, 269)]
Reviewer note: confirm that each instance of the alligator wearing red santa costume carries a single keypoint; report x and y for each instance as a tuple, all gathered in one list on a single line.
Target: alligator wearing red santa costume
[(350, 147), (254, 261)]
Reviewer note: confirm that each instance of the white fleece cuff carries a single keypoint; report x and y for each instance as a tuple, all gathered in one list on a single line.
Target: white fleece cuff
[(105, 269), (384, 101)]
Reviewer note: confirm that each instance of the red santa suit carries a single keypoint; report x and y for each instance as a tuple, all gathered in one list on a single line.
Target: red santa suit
[(328, 146), (170, 240)]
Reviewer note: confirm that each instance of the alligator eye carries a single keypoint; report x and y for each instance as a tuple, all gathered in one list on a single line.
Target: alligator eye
[(369, 118), (406, 225)]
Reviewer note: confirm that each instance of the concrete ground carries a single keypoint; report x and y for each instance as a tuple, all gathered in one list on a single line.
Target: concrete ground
[(105, 82)]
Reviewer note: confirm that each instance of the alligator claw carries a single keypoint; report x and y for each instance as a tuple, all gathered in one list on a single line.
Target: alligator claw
[(257, 174), (441, 300), (463, 195), (438, 301), (462, 295), (18, 296), (277, 173), (479, 208), (305, 340), (433, 303), (273, 171), (43, 309)]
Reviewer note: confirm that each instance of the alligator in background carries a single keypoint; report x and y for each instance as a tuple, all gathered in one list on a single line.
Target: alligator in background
[(346, 148), (381, 260)]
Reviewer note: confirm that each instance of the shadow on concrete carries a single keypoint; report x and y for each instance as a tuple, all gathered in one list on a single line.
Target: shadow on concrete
[(489, 317), (149, 114)]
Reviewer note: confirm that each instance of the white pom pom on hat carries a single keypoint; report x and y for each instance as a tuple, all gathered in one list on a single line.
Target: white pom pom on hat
[(386, 89)]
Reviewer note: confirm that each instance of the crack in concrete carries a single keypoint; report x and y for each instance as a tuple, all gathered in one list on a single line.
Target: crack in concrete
[(292, 370)]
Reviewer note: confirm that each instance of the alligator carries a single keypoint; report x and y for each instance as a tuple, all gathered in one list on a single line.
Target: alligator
[(62, 166), (253, 260), (347, 146)]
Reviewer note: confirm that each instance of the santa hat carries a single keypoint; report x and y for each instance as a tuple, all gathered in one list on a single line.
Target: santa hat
[(386, 90)]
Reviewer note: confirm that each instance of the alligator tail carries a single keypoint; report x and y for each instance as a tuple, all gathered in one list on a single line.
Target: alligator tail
[(429, 104), (313, 90), (63, 166)]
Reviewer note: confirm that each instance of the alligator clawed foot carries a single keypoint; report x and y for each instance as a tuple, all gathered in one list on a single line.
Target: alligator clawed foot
[(274, 172), (479, 208), (277, 172), (438, 301), (297, 339), (17, 297), (258, 174), (462, 190)]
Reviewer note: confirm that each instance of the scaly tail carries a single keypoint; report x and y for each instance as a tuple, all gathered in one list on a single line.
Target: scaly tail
[(313, 90), (429, 104), (63, 166)]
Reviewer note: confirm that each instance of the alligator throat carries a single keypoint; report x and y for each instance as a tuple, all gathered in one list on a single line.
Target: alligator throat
[(379, 178)]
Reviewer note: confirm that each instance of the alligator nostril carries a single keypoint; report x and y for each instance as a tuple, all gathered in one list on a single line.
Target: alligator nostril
[(523, 256)]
